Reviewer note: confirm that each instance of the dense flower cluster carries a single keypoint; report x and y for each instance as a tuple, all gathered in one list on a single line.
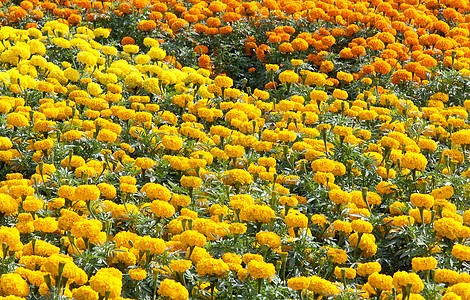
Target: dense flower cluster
[(232, 149)]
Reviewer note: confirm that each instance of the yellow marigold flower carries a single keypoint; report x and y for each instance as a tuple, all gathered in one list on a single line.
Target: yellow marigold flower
[(288, 76), (191, 181), (314, 78), (107, 279), (193, 238), (322, 286), (365, 269), (87, 228), (156, 191), (402, 279), (270, 239), (343, 76), (155, 245), (5, 143), (447, 227), (323, 178), (258, 213), (350, 273), (87, 193), (260, 269), (422, 200), (323, 165), (237, 176), (444, 192), (339, 197), (237, 228), (247, 257), (180, 265), (162, 209), (446, 276), (172, 289), (342, 226), (67, 219), (271, 67), (423, 263), (386, 188), (234, 151), (87, 58), (414, 161), (289, 201), (298, 283), (461, 252), (223, 81), (17, 120), (85, 293), (12, 284), (48, 224), (367, 243), (212, 267), (108, 191), (361, 226), (137, 274), (326, 66), (460, 290), (172, 142), (380, 281), (107, 136), (317, 95), (18, 191), (339, 256), (461, 137), (296, 219), (319, 220), (32, 204)]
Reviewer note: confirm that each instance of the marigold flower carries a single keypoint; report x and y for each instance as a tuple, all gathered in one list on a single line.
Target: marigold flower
[(180, 265), (350, 273), (212, 267), (86, 228), (461, 252), (155, 245), (322, 286), (260, 269), (365, 269), (162, 209), (107, 279), (288, 76), (85, 293), (402, 279), (270, 239), (414, 161), (173, 290), (423, 263), (12, 284), (339, 197), (193, 238), (298, 283), (380, 281), (137, 274), (156, 191), (87, 193), (422, 200), (339, 256), (172, 142), (361, 226)]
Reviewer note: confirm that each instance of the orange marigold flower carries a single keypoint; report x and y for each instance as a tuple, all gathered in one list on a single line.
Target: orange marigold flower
[(127, 41), (146, 25)]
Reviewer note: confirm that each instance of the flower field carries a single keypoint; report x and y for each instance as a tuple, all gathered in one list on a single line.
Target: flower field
[(235, 149)]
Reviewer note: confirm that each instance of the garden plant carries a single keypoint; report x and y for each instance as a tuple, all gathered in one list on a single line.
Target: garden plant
[(268, 149)]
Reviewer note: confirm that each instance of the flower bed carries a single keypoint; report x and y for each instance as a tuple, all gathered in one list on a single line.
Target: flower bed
[(234, 150)]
